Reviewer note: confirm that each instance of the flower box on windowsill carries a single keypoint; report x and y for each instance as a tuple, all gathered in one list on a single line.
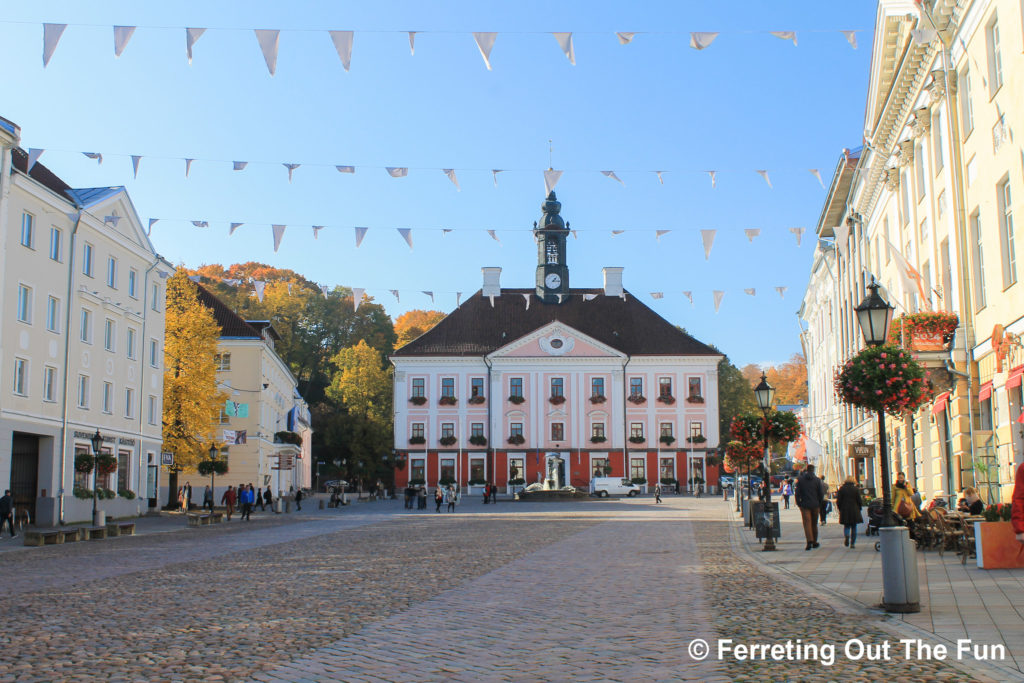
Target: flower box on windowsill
[(448, 401), (696, 439), (924, 331), (668, 440), (597, 399), (418, 400), (667, 400), (476, 400), (637, 439), (447, 440), (556, 400), (597, 439), (417, 440), (478, 440), (517, 439), (695, 399), (518, 400), (637, 399)]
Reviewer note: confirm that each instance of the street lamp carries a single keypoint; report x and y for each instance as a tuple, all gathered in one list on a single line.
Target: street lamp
[(213, 459), (97, 444), (765, 394), (874, 314)]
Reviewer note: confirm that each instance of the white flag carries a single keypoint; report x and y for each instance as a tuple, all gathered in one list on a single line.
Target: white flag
[(494, 236), (238, 165), (611, 174), (799, 232), (657, 295), (458, 299), (851, 38), (232, 282), (234, 226), (343, 44), (527, 298), (718, 294), (430, 294), (781, 291), (412, 42), (485, 42), (191, 36), (194, 278), (324, 289), (659, 233), (346, 169), (450, 172), (574, 235), (445, 231), (689, 296), (785, 35), (360, 234), (750, 291), (122, 34), (94, 155), (188, 166), (661, 180), (357, 297), (33, 156), (494, 173), (51, 36), (817, 175), (702, 39), (201, 224), (395, 292), (397, 171), (565, 42), (291, 168), (278, 234), (751, 233), (268, 40), (259, 286), (708, 238), (712, 174), (406, 234), (616, 233), (589, 297), (151, 222), (551, 177), (135, 165), (316, 230), (764, 174), (625, 37)]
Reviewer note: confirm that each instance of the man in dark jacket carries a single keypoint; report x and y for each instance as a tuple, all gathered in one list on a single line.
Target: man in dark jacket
[(7, 513), (810, 496)]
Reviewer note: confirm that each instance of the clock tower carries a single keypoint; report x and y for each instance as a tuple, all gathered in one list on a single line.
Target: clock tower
[(552, 273)]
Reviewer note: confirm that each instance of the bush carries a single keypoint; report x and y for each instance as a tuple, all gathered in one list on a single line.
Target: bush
[(518, 400), (288, 437), (447, 440), (639, 481), (208, 467), (1000, 512), (82, 493), (126, 494), (479, 440)]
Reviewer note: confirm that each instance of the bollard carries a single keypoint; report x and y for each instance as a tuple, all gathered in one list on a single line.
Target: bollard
[(321, 503), (900, 589), (288, 505)]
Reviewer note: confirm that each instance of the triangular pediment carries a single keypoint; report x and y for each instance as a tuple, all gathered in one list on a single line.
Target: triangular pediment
[(556, 340), (113, 208)]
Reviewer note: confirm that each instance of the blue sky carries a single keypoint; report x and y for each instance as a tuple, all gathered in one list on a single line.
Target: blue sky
[(750, 101)]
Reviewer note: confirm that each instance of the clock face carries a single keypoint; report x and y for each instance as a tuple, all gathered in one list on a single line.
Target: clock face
[(552, 281)]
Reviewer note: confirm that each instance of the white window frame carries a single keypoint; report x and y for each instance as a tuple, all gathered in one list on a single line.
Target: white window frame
[(966, 105), (995, 57), (156, 297), (83, 392), (56, 244), (53, 314), (88, 254), (107, 398), (129, 403), (977, 259), (130, 336), (24, 304), (133, 283), (112, 272), (85, 326), (151, 410), (28, 230), (1008, 251), (20, 384), (109, 335), (154, 348), (49, 384)]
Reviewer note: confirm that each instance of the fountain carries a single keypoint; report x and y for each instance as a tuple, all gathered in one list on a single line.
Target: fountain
[(552, 487)]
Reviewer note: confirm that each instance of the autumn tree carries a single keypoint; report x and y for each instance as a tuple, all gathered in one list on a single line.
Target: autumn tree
[(414, 323), (735, 395), (789, 379), (192, 399)]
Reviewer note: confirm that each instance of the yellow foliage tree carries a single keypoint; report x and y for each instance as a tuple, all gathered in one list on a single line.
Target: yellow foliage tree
[(192, 400), (412, 324), (789, 379), (363, 386)]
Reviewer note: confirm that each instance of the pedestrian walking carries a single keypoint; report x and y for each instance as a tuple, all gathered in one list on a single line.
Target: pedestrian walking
[(7, 513), (849, 503), (700, 489), (228, 501), (438, 498), (186, 497), (810, 496), (826, 506), (208, 498), (657, 493), (298, 500), (421, 497), (181, 498), (248, 500), (494, 493), (451, 498), (787, 491), (268, 498), (259, 500), (487, 493)]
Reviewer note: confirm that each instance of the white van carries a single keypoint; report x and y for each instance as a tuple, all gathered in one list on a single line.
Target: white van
[(613, 486)]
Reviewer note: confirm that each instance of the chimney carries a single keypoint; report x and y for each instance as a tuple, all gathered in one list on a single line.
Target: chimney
[(492, 281), (612, 281)]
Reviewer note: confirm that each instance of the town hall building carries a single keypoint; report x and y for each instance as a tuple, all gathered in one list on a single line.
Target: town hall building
[(590, 381)]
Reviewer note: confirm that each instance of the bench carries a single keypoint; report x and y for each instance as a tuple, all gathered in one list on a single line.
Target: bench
[(71, 534), (43, 537), (95, 533), (196, 519), (115, 529), (217, 517)]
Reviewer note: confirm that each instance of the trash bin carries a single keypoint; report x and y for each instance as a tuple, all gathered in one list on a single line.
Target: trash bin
[(900, 589), (99, 518)]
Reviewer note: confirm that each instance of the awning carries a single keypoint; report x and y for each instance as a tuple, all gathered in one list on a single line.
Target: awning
[(1013, 380), (940, 403), (985, 392)]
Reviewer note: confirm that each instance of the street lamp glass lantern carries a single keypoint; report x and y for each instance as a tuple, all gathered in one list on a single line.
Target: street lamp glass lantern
[(765, 393), (874, 314), (97, 442), (213, 451)]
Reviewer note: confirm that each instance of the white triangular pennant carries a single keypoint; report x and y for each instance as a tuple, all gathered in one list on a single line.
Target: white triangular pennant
[(799, 232), (450, 172), (430, 294), (785, 35), (316, 231), (750, 291), (491, 297), (689, 295), (484, 43), (616, 233), (661, 181), (625, 37), (360, 234), (33, 156), (781, 291), (527, 298), (708, 238), (343, 44), (94, 155), (201, 224), (234, 226), (188, 166), (194, 278), (412, 42), (611, 174), (851, 38), (494, 236), (659, 233), (718, 294), (191, 36), (291, 168), (268, 40), (764, 174), (817, 175), (149, 230), (702, 39), (397, 171), (751, 233), (574, 235), (458, 299), (406, 234), (589, 297), (712, 174), (232, 282), (324, 289), (357, 297), (135, 165), (259, 286), (239, 165), (51, 36), (551, 177), (657, 295), (346, 169), (395, 292), (278, 234), (122, 34), (445, 231), (565, 42)]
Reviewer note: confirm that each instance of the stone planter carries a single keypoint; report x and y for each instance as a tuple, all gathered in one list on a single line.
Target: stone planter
[(996, 546)]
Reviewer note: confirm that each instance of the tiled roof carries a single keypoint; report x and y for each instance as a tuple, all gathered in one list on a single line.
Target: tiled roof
[(231, 325), (40, 173), (475, 328)]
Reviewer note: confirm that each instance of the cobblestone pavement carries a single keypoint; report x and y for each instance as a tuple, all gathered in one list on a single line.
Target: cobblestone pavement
[(596, 591)]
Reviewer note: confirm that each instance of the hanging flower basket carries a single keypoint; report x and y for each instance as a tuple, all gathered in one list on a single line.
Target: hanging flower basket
[(597, 399), (84, 464), (696, 439), (448, 401), (556, 400), (637, 439), (518, 400), (667, 399), (106, 463), (883, 378), (418, 400), (925, 331), (742, 456), (288, 437), (208, 467), (637, 399), (597, 439)]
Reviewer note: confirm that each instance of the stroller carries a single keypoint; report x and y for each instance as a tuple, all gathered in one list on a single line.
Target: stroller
[(874, 517)]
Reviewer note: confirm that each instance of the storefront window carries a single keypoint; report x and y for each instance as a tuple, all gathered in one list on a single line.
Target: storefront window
[(447, 469), (418, 470), (636, 468), (476, 469), (516, 469), (668, 468), (599, 465)]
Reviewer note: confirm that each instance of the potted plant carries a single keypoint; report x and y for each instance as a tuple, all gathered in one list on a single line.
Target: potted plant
[(668, 481), (126, 494), (447, 440), (417, 482), (417, 440), (607, 470), (82, 493), (668, 440), (637, 399), (556, 400), (995, 543), (597, 398), (639, 481), (694, 399), (696, 439), (924, 331), (288, 437), (517, 399), (636, 439), (476, 400), (597, 439), (418, 400), (478, 440), (667, 399), (517, 439), (447, 401)]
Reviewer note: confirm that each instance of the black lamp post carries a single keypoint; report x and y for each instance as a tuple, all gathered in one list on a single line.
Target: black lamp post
[(874, 314), (97, 444), (765, 394), (213, 459)]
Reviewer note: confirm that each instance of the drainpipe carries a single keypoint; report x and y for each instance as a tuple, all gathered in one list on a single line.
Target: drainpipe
[(67, 355), (625, 419)]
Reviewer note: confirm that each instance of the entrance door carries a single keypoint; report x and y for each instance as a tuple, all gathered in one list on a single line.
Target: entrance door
[(25, 473)]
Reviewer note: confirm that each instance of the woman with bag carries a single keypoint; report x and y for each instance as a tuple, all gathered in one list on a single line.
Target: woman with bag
[(849, 503), (903, 498)]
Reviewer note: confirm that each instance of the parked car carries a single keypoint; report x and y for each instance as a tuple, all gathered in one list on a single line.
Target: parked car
[(726, 480), (338, 485), (613, 486)]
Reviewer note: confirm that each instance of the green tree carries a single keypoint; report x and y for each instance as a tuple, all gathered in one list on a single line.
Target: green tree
[(735, 396), (362, 386)]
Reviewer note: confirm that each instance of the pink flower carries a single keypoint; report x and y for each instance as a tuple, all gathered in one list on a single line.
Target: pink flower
[(883, 354)]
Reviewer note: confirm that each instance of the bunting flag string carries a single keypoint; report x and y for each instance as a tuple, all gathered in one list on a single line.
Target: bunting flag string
[(718, 295), (450, 172), (708, 238), (234, 226), (611, 174), (360, 234), (291, 168), (135, 165), (269, 39), (406, 234), (278, 235), (357, 296), (751, 233), (551, 178), (259, 286)]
